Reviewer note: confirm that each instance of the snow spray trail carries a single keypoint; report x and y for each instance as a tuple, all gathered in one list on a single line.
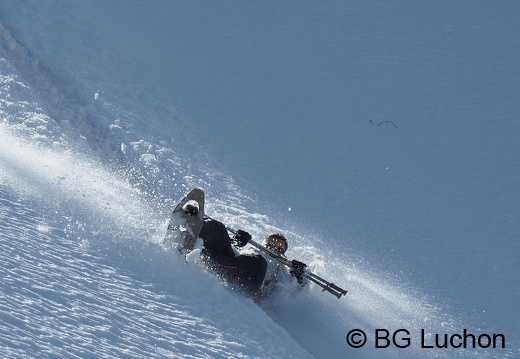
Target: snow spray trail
[(84, 276), (62, 299), (69, 178)]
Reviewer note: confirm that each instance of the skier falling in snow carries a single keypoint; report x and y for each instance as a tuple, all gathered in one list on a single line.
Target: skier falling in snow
[(256, 273), (250, 273)]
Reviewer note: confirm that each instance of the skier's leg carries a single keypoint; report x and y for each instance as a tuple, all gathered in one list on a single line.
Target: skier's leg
[(217, 244), (251, 273)]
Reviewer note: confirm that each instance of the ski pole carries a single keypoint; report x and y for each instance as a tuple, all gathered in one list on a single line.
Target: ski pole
[(325, 285)]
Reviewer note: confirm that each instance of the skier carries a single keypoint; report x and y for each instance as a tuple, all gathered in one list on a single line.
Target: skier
[(250, 273)]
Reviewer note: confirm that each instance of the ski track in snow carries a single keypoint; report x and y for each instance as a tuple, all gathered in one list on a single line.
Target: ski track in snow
[(84, 276)]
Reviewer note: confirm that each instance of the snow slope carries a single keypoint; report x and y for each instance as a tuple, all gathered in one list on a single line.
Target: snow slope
[(108, 115)]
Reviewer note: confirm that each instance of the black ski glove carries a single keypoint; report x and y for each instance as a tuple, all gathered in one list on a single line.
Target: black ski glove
[(241, 238), (298, 270)]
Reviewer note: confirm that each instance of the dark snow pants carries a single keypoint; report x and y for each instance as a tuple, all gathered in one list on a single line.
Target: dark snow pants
[(244, 273)]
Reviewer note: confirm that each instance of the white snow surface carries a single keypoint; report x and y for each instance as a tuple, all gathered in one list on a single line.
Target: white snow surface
[(94, 153)]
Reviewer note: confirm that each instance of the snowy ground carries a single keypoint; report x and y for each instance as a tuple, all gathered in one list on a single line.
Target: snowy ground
[(108, 115)]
